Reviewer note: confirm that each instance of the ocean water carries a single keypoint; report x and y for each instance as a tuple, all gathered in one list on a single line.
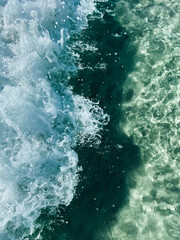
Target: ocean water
[(41, 119), (89, 120), (151, 120)]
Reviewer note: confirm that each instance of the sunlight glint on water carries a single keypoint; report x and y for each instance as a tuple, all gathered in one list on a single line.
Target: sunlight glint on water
[(153, 121)]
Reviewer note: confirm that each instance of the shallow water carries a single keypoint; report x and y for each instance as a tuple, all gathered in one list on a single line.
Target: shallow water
[(151, 107)]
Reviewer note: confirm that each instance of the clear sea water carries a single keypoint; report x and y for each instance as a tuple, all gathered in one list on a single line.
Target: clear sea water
[(89, 116)]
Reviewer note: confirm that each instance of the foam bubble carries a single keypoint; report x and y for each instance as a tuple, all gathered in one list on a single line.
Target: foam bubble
[(41, 119), (152, 120)]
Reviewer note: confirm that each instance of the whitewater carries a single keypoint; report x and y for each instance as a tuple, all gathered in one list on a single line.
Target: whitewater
[(41, 120)]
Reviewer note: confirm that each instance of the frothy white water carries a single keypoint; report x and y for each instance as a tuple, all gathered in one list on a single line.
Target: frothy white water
[(152, 121), (40, 118)]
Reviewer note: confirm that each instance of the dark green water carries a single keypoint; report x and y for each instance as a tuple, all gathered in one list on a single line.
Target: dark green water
[(128, 187), (102, 189)]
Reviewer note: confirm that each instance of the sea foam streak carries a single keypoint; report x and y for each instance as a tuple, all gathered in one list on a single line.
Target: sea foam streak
[(40, 118)]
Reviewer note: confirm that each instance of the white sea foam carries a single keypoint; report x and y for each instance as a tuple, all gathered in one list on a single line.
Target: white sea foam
[(40, 118), (152, 121)]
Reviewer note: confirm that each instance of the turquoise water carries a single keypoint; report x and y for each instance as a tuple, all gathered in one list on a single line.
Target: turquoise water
[(152, 121), (89, 120)]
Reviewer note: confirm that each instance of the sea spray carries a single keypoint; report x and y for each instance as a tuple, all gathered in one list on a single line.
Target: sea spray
[(41, 119)]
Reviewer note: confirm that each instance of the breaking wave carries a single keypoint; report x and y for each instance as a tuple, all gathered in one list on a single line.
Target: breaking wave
[(41, 120)]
